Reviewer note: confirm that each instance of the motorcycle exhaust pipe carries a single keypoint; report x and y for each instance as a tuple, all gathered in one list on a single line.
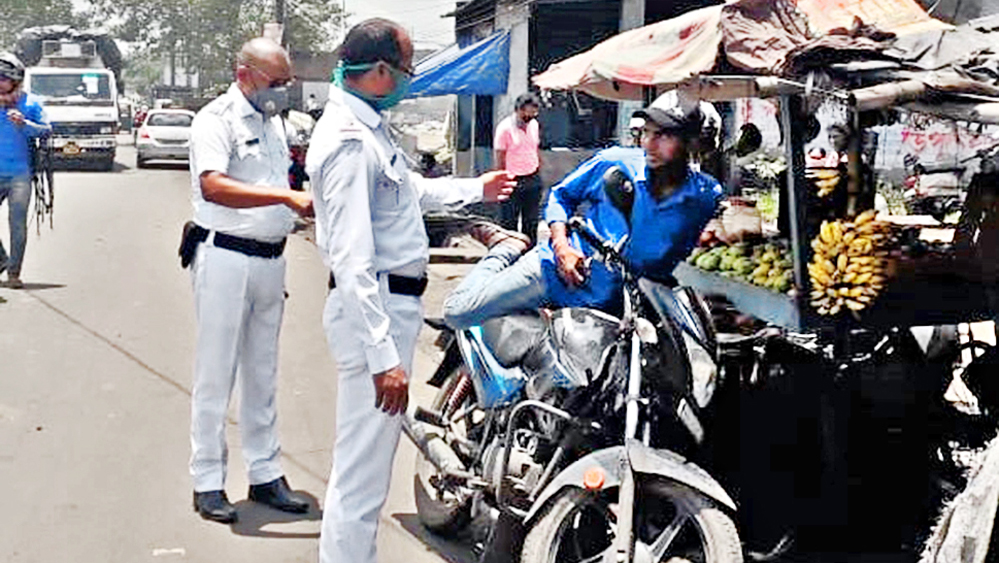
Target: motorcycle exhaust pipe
[(437, 452)]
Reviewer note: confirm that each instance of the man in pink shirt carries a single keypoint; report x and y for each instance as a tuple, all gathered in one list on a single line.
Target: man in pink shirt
[(517, 150)]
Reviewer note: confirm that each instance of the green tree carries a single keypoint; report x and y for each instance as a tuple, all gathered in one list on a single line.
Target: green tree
[(203, 36), (20, 14)]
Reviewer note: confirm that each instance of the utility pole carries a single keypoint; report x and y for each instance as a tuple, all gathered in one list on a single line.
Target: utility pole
[(343, 21), (280, 17)]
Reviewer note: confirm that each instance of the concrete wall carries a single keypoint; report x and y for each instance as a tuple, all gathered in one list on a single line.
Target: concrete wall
[(632, 16), (514, 16), (320, 89)]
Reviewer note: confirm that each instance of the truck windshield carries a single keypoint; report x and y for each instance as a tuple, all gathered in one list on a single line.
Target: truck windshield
[(73, 88)]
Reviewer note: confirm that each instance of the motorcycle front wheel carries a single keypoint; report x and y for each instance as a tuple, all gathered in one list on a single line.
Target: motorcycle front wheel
[(673, 524), (445, 512)]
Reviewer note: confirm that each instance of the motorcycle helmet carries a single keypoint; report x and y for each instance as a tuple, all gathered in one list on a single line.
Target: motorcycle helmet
[(11, 67)]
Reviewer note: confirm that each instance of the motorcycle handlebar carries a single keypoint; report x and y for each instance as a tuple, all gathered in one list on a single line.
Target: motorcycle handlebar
[(577, 225)]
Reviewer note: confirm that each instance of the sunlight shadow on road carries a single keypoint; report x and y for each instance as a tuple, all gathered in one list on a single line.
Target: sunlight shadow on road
[(458, 550), (32, 286), (254, 517), (167, 165)]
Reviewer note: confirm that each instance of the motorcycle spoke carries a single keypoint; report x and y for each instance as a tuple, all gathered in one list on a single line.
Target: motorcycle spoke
[(662, 544)]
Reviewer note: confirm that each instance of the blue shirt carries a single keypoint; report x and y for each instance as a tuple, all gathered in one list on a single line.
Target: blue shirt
[(662, 232), (14, 154)]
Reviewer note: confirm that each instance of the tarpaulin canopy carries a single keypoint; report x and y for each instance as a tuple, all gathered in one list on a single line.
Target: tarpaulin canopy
[(668, 51), (755, 36), (481, 68)]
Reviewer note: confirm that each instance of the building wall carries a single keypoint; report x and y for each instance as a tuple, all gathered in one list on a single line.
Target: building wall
[(632, 16), (514, 16), (320, 89), (561, 30)]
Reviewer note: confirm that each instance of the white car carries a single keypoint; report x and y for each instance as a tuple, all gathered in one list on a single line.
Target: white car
[(165, 135)]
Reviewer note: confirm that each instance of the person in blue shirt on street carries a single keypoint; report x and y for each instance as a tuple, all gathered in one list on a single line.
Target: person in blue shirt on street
[(21, 120), (672, 204)]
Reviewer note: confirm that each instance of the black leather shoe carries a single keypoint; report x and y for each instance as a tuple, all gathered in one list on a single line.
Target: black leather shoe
[(277, 494), (215, 506)]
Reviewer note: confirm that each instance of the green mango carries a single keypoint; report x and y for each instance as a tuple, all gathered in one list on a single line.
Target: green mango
[(695, 254), (744, 266), (727, 261), (782, 285), (708, 262)]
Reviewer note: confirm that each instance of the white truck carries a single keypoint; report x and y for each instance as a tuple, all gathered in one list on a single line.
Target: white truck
[(76, 77)]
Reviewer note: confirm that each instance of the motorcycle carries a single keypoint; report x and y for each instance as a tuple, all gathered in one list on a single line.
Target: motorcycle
[(298, 127), (569, 427), (935, 191)]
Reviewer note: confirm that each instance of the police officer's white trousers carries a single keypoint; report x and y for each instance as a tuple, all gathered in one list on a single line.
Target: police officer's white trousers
[(366, 438), (239, 302)]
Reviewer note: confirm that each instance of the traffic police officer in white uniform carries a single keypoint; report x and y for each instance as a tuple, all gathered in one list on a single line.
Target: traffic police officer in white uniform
[(243, 210), (370, 231)]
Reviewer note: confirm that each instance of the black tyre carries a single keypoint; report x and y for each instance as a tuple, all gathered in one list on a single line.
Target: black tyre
[(445, 513), (673, 524)]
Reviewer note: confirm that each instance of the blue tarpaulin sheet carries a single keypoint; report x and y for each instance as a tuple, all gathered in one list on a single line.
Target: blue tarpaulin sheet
[(480, 69)]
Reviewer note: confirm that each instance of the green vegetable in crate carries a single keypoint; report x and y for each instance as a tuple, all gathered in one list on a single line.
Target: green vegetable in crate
[(782, 284), (727, 262), (743, 266), (695, 254), (708, 261)]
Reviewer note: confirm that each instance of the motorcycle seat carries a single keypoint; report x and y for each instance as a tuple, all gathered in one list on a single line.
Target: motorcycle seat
[(510, 338)]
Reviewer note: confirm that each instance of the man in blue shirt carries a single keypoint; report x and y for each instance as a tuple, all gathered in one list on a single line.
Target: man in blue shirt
[(21, 120), (672, 204)]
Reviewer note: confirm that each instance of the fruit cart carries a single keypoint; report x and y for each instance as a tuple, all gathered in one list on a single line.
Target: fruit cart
[(845, 262), (834, 425), (852, 278)]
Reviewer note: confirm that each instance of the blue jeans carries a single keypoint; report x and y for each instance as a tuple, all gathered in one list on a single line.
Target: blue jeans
[(500, 284), (18, 193)]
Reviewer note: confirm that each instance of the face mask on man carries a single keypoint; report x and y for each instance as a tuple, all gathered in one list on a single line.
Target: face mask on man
[(270, 101), (380, 103)]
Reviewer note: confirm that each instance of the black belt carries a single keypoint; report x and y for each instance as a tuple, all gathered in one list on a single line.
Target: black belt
[(247, 246), (400, 285)]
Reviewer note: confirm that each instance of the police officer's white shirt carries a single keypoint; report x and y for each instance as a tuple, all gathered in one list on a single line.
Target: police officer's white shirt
[(369, 220), (230, 136)]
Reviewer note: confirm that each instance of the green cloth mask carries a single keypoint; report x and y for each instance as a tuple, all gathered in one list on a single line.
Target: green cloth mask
[(380, 103)]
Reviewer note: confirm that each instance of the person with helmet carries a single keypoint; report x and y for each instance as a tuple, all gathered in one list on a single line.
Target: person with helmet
[(651, 194), (22, 119)]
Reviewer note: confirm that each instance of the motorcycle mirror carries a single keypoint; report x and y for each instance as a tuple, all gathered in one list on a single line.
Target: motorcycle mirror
[(620, 191)]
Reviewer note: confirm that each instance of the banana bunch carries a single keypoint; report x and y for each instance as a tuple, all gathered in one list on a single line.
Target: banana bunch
[(824, 179), (848, 269)]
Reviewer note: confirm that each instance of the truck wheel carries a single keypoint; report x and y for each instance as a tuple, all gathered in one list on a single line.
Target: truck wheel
[(107, 165)]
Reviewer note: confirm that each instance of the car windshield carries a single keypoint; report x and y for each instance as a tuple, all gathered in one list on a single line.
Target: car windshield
[(73, 88), (169, 120)]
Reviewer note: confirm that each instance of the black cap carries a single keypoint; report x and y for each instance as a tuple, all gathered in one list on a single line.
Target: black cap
[(673, 112)]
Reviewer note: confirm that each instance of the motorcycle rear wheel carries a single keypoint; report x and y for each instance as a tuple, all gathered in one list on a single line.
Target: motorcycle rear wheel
[(445, 514), (674, 524)]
